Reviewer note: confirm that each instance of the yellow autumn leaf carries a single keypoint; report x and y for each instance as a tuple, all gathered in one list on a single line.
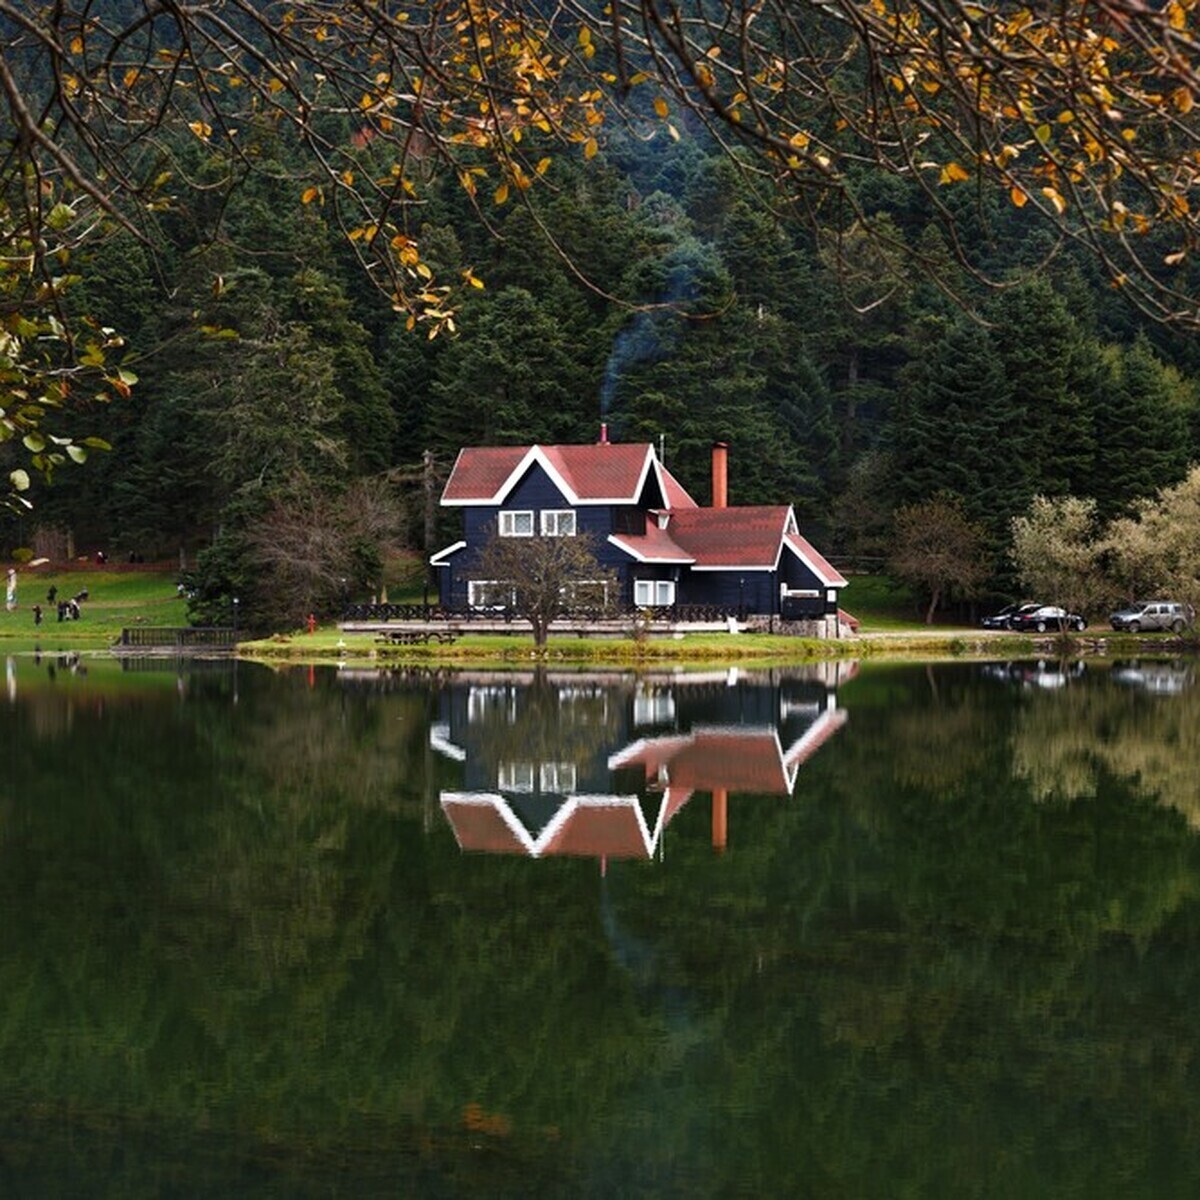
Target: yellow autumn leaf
[(1052, 194), (590, 147), (131, 77), (77, 45), (348, 177), (1182, 99), (953, 173), (500, 195), (309, 195), (202, 129), (660, 106), (1019, 197), (543, 166)]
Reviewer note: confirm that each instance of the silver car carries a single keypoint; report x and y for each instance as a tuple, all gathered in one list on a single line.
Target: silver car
[(1153, 614)]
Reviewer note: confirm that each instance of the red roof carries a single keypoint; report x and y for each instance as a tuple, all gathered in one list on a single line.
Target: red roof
[(584, 826), (816, 562), (674, 493), (603, 472), (747, 536), (655, 545)]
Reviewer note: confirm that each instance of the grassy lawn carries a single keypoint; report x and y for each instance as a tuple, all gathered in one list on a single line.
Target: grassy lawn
[(115, 599)]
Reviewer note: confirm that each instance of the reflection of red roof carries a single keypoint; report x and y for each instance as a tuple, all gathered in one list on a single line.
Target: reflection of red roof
[(584, 826), (606, 471), (482, 827), (729, 758), (595, 831)]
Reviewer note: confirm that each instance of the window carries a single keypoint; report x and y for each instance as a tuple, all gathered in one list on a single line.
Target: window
[(558, 522), (629, 520), (586, 593), (557, 777), (653, 593), (653, 706), (527, 777), (490, 593), (516, 523)]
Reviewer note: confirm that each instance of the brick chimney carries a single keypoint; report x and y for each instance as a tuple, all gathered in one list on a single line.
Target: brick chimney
[(720, 476), (603, 434)]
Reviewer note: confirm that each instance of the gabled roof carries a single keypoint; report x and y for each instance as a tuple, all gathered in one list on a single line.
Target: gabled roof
[(748, 537), (736, 759), (654, 546), (583, 826), (600, 473), (829, 575)]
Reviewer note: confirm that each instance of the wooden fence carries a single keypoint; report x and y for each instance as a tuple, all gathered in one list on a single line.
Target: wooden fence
[(186, 637)]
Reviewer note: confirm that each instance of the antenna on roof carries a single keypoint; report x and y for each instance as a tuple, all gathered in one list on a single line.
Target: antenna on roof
[(662, 448)]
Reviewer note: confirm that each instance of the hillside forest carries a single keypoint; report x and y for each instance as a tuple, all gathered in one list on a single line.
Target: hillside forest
[(288, 428)]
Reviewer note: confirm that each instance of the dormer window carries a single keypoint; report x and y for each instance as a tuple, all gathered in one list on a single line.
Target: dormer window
[(516, 523), (558, 522)]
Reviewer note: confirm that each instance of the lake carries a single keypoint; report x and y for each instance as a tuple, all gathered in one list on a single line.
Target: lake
[(867, 930)]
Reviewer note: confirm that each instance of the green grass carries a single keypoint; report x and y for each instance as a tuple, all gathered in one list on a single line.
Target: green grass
[(881, 604), (115, 599)]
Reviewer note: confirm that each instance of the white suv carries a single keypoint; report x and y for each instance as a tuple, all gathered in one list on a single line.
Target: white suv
[(1153, 614)]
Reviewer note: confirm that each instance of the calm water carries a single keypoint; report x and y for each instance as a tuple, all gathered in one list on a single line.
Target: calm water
[(877, 932)]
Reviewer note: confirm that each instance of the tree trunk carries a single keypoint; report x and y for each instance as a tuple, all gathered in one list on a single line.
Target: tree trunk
[(933, 603)]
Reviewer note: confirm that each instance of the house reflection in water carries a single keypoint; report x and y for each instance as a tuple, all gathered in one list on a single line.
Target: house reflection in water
[(598, 765)]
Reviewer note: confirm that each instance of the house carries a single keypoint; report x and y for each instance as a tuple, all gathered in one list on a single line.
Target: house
[(664, 549)]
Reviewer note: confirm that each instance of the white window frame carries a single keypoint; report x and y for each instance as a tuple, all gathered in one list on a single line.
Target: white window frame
[(557, 777), (510, 519), (570, 592), (553, 521), (653, 593), (516, 777), (486, 594)]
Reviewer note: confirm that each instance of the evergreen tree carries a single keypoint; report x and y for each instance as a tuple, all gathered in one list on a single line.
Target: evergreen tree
[(1141, 427)]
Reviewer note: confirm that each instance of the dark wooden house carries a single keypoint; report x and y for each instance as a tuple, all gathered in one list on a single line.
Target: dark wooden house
[(664, 549)]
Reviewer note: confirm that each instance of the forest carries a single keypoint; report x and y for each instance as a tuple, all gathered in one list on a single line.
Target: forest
[(279, 423)]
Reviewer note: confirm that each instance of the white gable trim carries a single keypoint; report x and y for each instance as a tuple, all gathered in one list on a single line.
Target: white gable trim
[(614, 539), (535, 454), (439, 559), (824, 578)]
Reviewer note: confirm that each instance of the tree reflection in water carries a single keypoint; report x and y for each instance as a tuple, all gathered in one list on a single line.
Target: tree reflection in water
[(245, 954)]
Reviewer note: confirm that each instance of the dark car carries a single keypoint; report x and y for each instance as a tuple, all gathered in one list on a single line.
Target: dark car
[(1042, 617), (1004, 618)]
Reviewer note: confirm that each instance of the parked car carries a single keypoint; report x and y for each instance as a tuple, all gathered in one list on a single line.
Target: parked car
[(1042, 617), (1004, 618), (1153, 614)]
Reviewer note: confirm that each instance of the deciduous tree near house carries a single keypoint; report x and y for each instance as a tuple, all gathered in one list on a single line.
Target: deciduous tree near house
[(1058, 550), (939, 551), (1156, 552), (541, 577)]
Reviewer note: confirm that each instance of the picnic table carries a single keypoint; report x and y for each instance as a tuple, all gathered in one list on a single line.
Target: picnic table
[(416, 637)]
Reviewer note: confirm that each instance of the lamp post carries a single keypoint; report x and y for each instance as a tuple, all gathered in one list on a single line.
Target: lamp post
[(235, 618)]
